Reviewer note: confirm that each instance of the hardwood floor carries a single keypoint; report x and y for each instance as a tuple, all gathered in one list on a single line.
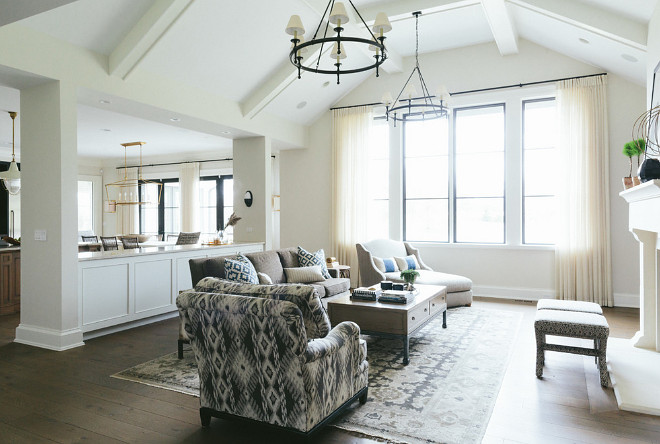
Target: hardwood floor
[(68, 397)]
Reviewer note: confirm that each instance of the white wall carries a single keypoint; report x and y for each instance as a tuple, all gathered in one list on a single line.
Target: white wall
[(522, 272), (653, 49)]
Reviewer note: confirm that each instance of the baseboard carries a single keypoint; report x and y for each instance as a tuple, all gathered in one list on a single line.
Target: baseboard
[(129, 325), (536, 294), (51, 339)]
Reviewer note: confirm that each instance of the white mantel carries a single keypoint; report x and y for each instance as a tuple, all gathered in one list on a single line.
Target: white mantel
[(634, 364)]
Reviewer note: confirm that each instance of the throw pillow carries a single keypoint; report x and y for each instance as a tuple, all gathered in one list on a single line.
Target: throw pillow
[(240, 269), (407, 263), (386, 264), (264, 279), (307, 259), (304, 275)]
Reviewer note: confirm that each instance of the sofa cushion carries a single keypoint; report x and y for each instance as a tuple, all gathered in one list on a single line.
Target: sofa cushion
[(268, 262), (289, 257), (303, 275), (264, 278), (334, 286), (241, 270), (386, 264), (407, 263), (453, 282), (308, 259), (319, 288), (306, 298)]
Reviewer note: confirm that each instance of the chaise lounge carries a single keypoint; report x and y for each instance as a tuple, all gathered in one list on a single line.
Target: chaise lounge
[(459, 288)]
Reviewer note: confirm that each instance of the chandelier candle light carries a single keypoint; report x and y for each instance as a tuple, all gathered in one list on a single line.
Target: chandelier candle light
[(338, 17), (127, 188), (11, 178), (408, 106)]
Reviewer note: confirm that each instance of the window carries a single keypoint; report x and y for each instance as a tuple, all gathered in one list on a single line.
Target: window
[(426, 184), (216, 200), (539, 163), (162, 218), (85, 205), (479, 174), (378, 181)]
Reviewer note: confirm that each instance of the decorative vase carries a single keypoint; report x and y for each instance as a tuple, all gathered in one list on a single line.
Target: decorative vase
[(649, 170), (221, 235), (627, 182)]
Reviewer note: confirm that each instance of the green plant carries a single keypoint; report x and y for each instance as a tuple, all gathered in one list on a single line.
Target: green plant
[(409, 276), (634, 148)]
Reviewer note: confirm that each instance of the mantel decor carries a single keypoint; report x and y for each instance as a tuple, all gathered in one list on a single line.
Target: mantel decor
[(11, 178), (647, 127), (127, 188), (338, 16), (408, 106)]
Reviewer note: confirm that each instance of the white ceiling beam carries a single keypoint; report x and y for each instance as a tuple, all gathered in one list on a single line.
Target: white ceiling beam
[(501, 26), (144, 35), (403, 10), (586, 16), (278, 82), (13, 11)]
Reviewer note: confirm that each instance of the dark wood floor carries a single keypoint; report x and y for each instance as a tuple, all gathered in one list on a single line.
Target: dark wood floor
[(68, 397)]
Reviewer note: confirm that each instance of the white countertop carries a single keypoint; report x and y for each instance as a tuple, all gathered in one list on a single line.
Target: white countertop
[(12, 248), (94, 255)]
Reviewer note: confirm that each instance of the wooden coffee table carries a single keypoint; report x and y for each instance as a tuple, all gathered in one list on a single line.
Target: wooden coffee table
[(393, 320)]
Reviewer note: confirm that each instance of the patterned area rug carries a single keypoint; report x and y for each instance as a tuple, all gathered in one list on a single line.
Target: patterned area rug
[(446, 394)]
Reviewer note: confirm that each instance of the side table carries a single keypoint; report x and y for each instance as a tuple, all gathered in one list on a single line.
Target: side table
[(341, 271)]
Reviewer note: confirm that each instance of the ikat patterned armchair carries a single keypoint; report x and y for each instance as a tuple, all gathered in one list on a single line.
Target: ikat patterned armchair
[(255, 359)]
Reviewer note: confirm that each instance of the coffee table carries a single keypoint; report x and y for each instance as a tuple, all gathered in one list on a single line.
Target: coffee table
[(393, 320)]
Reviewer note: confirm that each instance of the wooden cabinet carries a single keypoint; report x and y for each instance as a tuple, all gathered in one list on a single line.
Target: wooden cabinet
[(10, 282)]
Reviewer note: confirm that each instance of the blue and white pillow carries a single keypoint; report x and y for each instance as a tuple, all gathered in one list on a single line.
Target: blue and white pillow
[(240, 269), (407, 263), (386, 264), (307, 259)]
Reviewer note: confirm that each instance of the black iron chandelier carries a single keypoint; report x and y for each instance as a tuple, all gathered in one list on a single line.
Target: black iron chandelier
[(338, 17), (412, 107)]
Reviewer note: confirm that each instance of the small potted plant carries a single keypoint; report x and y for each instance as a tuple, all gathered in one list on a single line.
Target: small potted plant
[(409, 277), (630, 149)]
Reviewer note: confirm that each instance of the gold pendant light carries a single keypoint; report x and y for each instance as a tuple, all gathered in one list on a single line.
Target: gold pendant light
[(127, 188)]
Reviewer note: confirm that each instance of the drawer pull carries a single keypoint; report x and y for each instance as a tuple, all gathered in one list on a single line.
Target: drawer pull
[(425, 310), (413, 318), (434, 305)]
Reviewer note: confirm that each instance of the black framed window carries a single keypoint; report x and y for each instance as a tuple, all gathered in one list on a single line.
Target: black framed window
[(163, 218), (216, 202)]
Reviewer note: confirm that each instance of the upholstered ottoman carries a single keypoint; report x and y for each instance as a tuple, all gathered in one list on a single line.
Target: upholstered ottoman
[(581, 306), (572, 324)]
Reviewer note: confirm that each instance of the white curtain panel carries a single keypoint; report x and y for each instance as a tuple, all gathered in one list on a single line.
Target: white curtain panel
[(350, 141), (582, 251), (189, 182)]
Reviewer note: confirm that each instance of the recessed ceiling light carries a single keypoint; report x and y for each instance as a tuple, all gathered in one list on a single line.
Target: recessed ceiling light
[(629, 58), (106, 130), (225, 132), (326, 84), (583, 40), (301, 105), (105, 102), (175, 119)]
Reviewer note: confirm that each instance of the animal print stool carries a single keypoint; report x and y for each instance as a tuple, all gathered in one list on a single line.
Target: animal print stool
[(572, 324)]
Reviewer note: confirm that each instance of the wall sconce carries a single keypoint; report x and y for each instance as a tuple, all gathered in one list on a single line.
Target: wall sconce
[(248, 198), (276, 202)]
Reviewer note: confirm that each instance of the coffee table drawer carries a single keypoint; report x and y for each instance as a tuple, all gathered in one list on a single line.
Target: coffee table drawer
[(438, 303), (418, 315)]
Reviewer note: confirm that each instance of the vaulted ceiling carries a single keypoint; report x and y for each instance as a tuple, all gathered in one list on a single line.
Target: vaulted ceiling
[(238, 49)]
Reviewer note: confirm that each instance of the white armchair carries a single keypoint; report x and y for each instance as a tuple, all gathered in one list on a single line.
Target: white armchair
[(459, 288)]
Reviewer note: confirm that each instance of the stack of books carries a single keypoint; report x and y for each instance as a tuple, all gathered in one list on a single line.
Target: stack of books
[(397, 296), (366, 294)]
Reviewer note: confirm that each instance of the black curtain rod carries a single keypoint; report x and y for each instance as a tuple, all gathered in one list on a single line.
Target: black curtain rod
[(517, 85), (179, 163)]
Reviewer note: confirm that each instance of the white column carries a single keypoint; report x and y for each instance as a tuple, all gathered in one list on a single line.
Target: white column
[(646, 337), (253, 172), (50, 313)]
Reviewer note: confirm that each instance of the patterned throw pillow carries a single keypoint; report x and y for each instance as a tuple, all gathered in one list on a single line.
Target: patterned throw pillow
[(241, 269), (407, 263), (386, 264), (304, 275), (307, 259)]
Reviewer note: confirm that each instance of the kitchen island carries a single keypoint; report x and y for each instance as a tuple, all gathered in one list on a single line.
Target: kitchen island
[(127, 288)]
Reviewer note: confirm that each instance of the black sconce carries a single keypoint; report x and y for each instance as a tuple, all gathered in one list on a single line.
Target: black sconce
[(248, 198)]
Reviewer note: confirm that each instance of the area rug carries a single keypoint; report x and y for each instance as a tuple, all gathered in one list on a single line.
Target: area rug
[(446, 394)]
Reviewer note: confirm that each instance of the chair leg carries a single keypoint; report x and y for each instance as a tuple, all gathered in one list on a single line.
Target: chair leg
[(540, 352), (602, 362), (205, 416), (363, 397), (180, 349)]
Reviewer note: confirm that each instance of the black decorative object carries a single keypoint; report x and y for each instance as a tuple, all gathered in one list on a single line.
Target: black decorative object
[(385, 285), (248, 198), (649, 170), (336, 14), (398, 287)]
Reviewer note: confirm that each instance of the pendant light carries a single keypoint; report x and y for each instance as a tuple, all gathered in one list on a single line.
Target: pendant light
[(11, 179)]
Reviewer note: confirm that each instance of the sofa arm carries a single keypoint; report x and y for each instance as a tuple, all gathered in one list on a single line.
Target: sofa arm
[(412, 250), (343, 333), (369, 274)]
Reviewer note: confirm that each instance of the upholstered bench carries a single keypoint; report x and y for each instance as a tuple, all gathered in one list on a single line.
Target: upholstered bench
[(581, 306), (572, 324)]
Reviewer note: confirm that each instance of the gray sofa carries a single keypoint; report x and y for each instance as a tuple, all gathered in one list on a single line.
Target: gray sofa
[(459, 288), (272, 263)]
